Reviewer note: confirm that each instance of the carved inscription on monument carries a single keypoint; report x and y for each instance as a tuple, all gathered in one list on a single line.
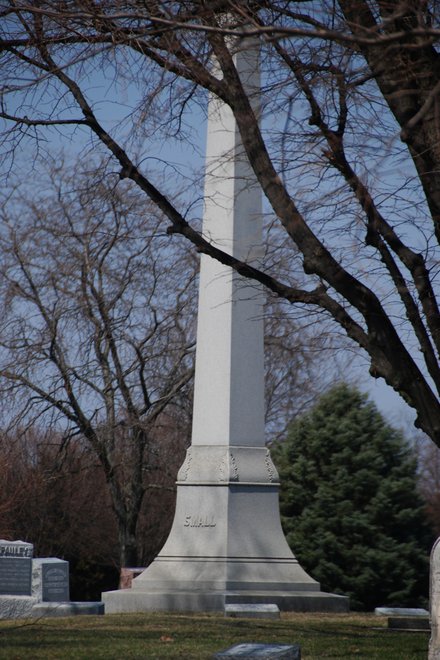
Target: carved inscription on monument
[(50, 579), (15, 576), (56, 582), (15, 568), (199, 521), (16, 549)]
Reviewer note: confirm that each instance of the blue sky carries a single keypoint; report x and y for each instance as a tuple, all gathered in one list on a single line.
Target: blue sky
[(179, 155)]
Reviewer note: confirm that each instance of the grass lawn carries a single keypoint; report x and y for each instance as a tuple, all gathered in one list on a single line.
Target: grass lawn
[(199, 636)]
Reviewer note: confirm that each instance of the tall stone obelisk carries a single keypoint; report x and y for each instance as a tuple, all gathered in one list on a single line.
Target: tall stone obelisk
[(226, 544)]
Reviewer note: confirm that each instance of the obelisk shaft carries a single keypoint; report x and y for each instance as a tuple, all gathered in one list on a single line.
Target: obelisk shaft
[(229, 380)]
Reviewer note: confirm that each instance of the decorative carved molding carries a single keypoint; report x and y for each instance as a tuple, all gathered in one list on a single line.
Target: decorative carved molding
[(233, 468), (184, 470), (228, 469), (271, 470)]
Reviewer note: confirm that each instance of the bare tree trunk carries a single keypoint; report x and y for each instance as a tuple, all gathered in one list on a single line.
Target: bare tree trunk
[(128, 544)]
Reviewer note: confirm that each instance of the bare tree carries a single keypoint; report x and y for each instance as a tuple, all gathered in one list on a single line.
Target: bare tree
[(428, 457), (97, 331), (96, 346), (347, 153), (303, 358), (54, 495)]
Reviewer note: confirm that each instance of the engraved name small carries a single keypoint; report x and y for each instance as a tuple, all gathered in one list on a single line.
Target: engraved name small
[(199, 521)]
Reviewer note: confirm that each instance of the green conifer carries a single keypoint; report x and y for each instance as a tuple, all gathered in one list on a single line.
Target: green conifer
[(350, 505)]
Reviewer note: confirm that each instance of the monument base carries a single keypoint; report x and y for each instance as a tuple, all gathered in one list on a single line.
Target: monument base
[(226, 544), (133, 600)]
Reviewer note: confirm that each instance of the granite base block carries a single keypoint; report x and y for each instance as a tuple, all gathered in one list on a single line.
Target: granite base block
[(133, 600), (16, 607), (27, 607), (401, 611), (66, 609), (408, 623)]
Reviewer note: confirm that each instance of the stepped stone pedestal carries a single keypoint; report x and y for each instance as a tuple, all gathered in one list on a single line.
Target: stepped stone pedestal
[(226, 544)]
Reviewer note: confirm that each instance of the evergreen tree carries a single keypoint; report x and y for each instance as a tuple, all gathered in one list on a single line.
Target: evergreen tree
[(350, 506)]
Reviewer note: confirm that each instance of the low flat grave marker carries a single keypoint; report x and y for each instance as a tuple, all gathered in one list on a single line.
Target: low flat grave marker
[(259, 651), (405, 618), (401, 611), (253, 610)]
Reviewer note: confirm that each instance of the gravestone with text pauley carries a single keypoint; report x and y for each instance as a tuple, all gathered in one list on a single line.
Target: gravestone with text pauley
[(434, 602), (15, 568)]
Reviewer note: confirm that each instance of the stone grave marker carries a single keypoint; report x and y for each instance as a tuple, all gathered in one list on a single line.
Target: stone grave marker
[(405, 618), (434, 602), (257, 651), (127, 575), (50, 580), (253, 610), (401, 611), (15, 568), (36, 587)]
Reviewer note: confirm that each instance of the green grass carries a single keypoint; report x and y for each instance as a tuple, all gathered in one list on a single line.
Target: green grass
[(152, 636)]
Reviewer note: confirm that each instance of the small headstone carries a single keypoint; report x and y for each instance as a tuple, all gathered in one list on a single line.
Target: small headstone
[(253, 610), (15, 568), (50, 580), (127, 576), (434, 602), (405, 618), (258, 651)]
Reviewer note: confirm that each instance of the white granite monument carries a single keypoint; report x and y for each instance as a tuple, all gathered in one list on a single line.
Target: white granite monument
[(226, 544)]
